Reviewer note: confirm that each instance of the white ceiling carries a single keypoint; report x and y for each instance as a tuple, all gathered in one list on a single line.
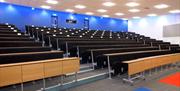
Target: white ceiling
[(145, 7)]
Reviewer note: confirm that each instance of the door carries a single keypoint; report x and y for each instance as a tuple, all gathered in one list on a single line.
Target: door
[(54, 21), (86, 24)]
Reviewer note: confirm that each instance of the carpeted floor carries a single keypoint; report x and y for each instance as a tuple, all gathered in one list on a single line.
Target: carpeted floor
[(173, 79), (150, 84)]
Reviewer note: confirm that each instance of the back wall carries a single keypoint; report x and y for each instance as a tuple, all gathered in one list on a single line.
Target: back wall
[(22, 15)]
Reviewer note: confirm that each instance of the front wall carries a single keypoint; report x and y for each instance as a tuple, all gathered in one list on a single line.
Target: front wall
[(71, 66), (32, 72), (10, 75), (53, 68)]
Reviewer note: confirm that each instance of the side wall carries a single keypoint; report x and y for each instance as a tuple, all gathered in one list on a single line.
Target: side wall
[(21, 15), (153, 26)]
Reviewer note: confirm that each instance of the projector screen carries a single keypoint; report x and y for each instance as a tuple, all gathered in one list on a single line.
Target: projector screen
[(171, 30)]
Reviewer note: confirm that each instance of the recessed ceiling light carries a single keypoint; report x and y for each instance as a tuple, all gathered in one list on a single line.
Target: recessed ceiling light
[(80, 6), (101, 10), (89, 13), (136, 17), (45, 7), (152, 15), (161, 6), (119, 14), (134, 10), (2, 0), (69, 10), (132, 4), (109, 4), (174, 11), (105, 15), (52, 1)]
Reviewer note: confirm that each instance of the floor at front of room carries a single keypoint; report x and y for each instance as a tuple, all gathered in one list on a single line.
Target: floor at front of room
[(152, 83)]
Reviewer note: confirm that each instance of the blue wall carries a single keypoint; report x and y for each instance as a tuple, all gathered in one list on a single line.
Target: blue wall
[(22, 15)]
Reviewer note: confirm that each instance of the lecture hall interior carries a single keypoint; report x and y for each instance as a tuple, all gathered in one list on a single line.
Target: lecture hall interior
[(89, 45)]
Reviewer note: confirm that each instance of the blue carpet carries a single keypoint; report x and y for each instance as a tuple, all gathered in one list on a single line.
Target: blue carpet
[(142, 89)]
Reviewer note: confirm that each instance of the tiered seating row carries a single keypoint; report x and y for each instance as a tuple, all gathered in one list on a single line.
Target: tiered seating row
[(114, 60), (77, 42), (24, 59), (16, 47)]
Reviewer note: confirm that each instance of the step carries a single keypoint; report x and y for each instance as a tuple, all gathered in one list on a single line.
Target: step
[(13, 35), (8, 29), (16, 39), (85, 67), (4, 50), (10, 32), (19, 43), (85, 78), (6, 25), (29, 56)]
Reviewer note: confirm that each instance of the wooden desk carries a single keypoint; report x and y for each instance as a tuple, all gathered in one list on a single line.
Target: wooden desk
[(142, 64), (29, 71)]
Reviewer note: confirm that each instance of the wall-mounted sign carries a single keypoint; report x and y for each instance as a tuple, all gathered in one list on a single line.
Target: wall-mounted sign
[(71, 21)]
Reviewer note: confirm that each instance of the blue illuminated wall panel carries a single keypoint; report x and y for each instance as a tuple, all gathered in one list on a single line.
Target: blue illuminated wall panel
[(22, 15)]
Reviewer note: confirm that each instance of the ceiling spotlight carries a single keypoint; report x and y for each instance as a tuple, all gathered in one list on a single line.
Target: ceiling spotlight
[(69, 10), (2, 0), (105, 15), (124, 18), (109, 4), (101, 10), (52, 1), (80, 6), (136, 17), (54, 14), (134, 10), (119, 14), (152, 15), (132, 4), (174, 11), (45, 7), (161, 6), (33, 8), (89, 13)]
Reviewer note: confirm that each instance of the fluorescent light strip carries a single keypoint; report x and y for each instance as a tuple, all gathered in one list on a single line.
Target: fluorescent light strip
[(152, 15), (2, 0), (45, 7), (52, 1), (134, 10), (136, 17), (119, 14), (89, 13), (161, 6), (69, 10), (108, 4), (80, 6), (105, 15), (174, 11), (132, 4), (101, 10)]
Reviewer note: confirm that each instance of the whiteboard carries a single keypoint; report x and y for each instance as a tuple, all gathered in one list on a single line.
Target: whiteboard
[(171, 30)]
